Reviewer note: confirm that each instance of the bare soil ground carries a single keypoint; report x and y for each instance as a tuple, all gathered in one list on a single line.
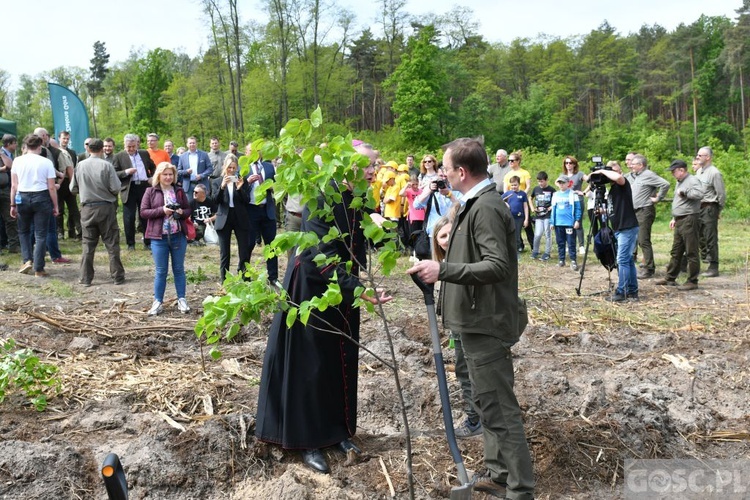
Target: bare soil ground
[(595, 380)]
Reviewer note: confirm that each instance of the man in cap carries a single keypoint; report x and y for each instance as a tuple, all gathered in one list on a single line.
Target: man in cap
[(686, 209)]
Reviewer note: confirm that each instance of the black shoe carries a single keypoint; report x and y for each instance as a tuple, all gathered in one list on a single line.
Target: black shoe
[(633, 297), (315, 460), (131, 247), (3, 267), (617, 298), (346, 446)]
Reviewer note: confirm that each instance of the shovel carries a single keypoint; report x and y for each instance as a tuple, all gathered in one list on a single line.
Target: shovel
[(462, 492)]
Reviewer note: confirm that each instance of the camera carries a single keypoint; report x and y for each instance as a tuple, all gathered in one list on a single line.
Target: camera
[(441, 184), (598, 180), (173, 206)]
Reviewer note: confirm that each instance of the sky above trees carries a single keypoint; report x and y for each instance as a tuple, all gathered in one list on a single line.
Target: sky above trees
[(181, 26)]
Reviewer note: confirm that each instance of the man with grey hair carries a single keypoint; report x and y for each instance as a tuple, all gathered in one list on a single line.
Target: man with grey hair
[(498, 169), (714, 198), (97, 182), (648, 189), (85, 154), (134, 168)]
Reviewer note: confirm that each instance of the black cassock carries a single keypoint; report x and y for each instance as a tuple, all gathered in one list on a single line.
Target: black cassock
[(308, 387)]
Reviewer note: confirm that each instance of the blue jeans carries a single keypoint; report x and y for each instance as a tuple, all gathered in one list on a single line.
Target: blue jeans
[(542, 228), (627, 277), (35, 209), (174, 245), (563, 235), (53, 244)]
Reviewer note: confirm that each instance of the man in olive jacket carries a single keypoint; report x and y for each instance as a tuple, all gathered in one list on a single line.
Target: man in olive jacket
[(480, 301)]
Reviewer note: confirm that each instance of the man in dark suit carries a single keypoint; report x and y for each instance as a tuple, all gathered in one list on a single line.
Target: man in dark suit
[(194, 167), (134, 168), (261, 211)]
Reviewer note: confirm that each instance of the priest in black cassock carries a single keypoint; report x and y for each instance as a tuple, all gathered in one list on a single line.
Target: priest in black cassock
[(308, 388)]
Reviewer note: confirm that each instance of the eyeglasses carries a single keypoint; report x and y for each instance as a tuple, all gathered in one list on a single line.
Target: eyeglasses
[(559, 182), (569, 163), (512, 159), (428, 161)]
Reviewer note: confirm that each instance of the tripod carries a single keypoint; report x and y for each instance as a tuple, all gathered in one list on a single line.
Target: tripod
[(599, 221)]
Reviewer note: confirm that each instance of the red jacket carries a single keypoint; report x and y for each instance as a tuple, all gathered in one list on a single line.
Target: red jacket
[(152, 209)]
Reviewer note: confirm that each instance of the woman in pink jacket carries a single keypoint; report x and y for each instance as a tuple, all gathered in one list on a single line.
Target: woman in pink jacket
[(165, 207)]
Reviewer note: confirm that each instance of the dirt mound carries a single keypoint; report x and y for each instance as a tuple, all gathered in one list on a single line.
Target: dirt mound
[(598, 383)]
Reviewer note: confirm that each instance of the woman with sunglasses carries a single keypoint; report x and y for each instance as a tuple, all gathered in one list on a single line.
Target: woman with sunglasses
[(427, 171), (570, 168), (514, 160)]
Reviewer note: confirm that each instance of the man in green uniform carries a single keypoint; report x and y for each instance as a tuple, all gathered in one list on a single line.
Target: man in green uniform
[(480, 302)]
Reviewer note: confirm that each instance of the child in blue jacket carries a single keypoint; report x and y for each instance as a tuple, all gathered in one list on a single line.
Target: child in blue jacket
[(565, 219)]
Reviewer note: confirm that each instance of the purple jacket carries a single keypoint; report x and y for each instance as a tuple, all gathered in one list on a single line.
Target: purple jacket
[(152, 209)]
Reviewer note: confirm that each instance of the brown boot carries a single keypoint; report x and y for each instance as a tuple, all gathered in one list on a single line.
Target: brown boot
[(687, 286)]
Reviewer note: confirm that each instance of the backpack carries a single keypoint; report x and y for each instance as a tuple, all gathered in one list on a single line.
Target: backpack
[(605, 248)]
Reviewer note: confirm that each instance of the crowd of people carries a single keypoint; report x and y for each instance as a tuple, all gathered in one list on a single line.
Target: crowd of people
[(45, 184), (476, 214)]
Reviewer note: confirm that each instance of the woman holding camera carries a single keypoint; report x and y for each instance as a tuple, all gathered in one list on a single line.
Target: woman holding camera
[(436, 200), (165, 207), (428, 171), (230, 194)]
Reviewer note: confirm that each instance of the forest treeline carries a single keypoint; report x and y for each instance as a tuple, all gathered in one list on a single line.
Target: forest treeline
[(410, 84)]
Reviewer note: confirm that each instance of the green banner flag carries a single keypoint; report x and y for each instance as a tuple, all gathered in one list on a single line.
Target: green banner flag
[(69, 113)]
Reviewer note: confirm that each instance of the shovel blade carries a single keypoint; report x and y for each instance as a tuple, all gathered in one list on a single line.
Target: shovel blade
[(462, 492)]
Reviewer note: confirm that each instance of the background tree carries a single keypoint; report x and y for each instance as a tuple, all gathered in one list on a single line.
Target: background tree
[(420, 101), (150, 83), (99, 72)]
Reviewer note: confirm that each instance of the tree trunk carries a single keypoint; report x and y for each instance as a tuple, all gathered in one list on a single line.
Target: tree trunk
[(695, 100), (238, 63)]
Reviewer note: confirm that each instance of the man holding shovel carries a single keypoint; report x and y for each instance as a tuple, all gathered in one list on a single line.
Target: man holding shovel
[(480, 301)]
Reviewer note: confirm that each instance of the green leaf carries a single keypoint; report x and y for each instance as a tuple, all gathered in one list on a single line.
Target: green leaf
[(291, 316), (316, 118), (292, 126)]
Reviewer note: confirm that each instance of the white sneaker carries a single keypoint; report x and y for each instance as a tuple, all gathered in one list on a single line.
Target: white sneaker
[(156, 308), (581, 250), (27, 268), (183, 306)]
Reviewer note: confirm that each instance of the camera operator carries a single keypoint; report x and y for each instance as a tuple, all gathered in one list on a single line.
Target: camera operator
[(436, 200), (625, 225)]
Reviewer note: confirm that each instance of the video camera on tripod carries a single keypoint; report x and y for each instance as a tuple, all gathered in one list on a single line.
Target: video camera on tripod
[(598, 180), (605, 244)]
